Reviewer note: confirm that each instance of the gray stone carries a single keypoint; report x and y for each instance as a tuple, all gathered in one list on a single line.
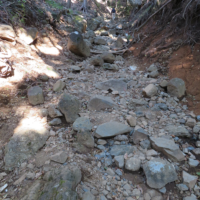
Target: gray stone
[(109, 66), (152, 68), (90, 34), (197, 151), (75, 68), (28, 138), (133, 164), (105, 33), (145, 144), (179, 131), (191, 122), (150, 91), (159, 172), (192, 197), (189, 179), (53, 112), (82, 123), (59, 157), (119, 161), (196, 129), (100, 41), (69, 106), (193, 163), (102, 197), (118, 150), (121, 138), (55, 121), (168, 147), (97, 61), (35, 95), (58, 86), (118, 172), (88, 196), (111, 129), (108, 57), (131, 120), (7, 33), (116, 84), (134, 103), (101, 142), (182, 187), (101, 103), (176, 87), (119, 42), (110, 172), (139, 135), (154, 74), (163, 84), (63, 183), (77, 45), (93, 24)]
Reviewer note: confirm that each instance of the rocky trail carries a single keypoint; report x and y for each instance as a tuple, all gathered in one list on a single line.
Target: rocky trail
[(94, 127)]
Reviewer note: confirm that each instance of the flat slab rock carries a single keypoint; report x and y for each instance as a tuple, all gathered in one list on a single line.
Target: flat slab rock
[(111, 129), (168, 147), (118, 150), (159, 172), (117, 85), (179, 131)]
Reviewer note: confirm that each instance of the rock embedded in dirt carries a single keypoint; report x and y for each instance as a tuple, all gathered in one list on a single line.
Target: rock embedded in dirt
[(82, 123), (111, 129), (139, 135), (176, 87), (101, 103), (150, 91), (178, 131), (35, 95), (55, 121), (97, 61), (77, 45), (7, 33), (168, 147), (152, 68), (27, 35), (28, 138), (99, 41), (108, 57), (69, 106), (190, 122), (133, 164), (119, 161), (118, 150), (154, 74), (93, 23), (53, 112), (163, 84), (131, 120), (59, 157), (159, 172), (115, 84), (109, 66), (182, 187), (135, 103), (88, 196), (58, 86), (189, 179)]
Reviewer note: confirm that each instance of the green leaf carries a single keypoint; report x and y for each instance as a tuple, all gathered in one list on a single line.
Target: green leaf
[(198, 173)]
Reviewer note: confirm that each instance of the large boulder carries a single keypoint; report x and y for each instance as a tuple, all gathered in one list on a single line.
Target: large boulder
[(62, 181), (176, 87), (159, 172), (111, 129), (115, 84), (168, 147), (101, 103), (93, 24), (27, 35), (108, 57), (28, 138), (35, 95), (77, 45), (7, 33), (69, 106)]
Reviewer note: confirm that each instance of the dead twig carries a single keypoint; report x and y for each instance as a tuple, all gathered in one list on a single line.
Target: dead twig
[(186, 7)]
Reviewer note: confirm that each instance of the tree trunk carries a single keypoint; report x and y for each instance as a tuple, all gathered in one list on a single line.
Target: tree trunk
[(84, 6), (69, 4)]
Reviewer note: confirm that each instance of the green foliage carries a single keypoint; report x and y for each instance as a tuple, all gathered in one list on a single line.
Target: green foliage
[(54, 4)]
